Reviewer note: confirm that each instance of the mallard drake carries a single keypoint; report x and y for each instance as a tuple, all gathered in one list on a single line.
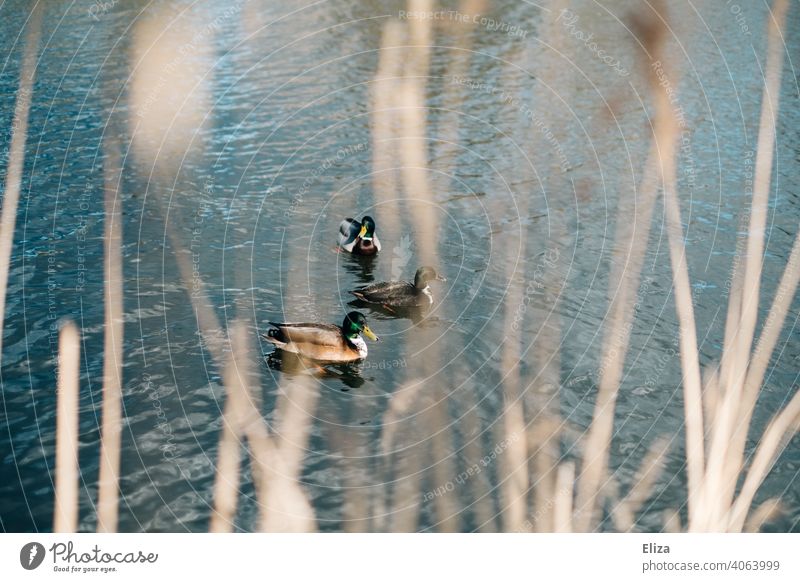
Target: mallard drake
[(322, 341), (401, 293), (359, 237)]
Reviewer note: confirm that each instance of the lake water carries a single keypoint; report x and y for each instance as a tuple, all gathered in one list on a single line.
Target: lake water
[(529, 130)]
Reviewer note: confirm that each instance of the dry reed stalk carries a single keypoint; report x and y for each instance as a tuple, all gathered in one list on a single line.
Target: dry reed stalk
[(168, 101), (207, 321), (178, 116), (759, 363), (734, 314), (725, 456), (545, 429), (110, 439), (293, 422), (277, 458), (409, 100), (541, 400), (384, 147), (285, 507), (631, 240), (761, 185), (388, 78), (765, 512), (253, 427), (519, 461), (411, 103), (672, 521), (420, 39), (226, 481), (16, 157), (229, 456), (276, 461), (156, 117), (164, 117), (666, 134), (761, 356), (400, 512), (781, 428), (226, 484), (403, 513), (712, 398), (772, 326), (168, 88), (544, 440), (514, 474), (448, 147), (644, 481), (562, 506), (418, 196), (354, 443), (440, 443), (660, 164), (447, 507), (514, 481), (480, 488), (66, 493), (400, 404), (358, 488)]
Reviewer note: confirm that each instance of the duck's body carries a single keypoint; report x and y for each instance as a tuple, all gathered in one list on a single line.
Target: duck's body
[(401, 293), (321, 341), (359, 238)]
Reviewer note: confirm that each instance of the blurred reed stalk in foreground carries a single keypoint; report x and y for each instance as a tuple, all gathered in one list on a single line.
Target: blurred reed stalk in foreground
[(66, 495), (736, 384), (731, 391), (276, 459), (628, 257), (16, 157), (111, 432), (400, 117)]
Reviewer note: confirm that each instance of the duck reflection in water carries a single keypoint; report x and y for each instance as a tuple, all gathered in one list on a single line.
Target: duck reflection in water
[(418, 315), (350, 374), (360, 266)]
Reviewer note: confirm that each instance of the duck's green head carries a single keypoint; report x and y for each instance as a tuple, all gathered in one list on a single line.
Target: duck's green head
[(355, 323), (367, 228), (425, 274)]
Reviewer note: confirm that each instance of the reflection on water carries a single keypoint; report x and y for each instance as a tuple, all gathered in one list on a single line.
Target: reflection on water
[(415, 314), (281, 152), (360, 267), (350, 375)]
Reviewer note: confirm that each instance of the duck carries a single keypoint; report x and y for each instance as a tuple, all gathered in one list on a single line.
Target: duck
[(324, 342), (359, 238), (401, 293)]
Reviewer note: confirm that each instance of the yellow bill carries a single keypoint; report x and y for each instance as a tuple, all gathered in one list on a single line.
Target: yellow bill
[(368, 332)]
